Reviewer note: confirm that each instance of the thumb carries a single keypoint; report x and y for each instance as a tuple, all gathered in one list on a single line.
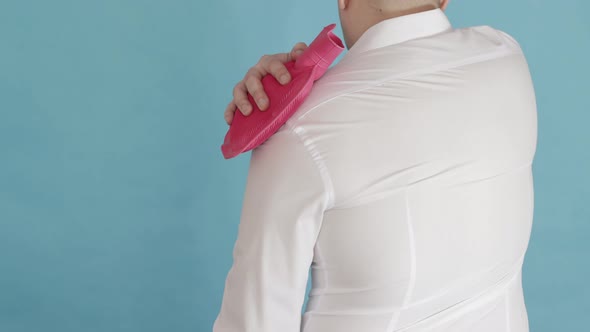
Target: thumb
[(297, 50)]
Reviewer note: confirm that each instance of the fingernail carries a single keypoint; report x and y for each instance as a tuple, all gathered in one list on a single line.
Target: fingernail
[(298, 52), (284, 78), (262, 102)]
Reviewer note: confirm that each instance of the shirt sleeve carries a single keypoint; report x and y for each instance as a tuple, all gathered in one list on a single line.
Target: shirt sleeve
[(282, 212)]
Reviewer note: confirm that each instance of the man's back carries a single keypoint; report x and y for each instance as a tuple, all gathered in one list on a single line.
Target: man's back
[(415, 191), (428, 145)]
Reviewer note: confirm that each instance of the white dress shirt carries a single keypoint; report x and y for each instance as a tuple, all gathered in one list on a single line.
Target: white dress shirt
[(404, 181)]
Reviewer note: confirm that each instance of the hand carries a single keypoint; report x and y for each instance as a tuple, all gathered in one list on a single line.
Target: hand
[(252, 82)]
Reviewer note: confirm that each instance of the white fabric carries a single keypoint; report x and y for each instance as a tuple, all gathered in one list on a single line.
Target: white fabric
[(404, 181)]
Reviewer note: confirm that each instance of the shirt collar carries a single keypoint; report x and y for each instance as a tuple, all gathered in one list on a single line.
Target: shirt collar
[(402, 28)]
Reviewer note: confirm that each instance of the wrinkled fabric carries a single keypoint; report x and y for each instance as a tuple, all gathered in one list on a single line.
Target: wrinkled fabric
[(404, 182)]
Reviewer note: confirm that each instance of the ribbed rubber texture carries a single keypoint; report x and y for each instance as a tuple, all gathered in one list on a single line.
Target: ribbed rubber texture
[(263, 124), (248, 132)]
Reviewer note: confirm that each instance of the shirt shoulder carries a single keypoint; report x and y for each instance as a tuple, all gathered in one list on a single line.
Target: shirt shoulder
[(452, 49)]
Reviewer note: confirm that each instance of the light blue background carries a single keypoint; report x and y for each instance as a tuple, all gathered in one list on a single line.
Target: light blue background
[(117, 209)]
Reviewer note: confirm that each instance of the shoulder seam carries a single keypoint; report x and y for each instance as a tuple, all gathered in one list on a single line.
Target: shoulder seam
[(313, 153)]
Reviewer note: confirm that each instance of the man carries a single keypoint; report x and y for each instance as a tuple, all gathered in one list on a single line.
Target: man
[(404, 181)]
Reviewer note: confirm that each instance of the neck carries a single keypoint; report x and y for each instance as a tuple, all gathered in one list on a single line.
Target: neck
[(378, 14)]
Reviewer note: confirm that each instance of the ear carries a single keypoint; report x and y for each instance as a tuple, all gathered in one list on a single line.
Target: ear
[(342, 4), (443, 4)]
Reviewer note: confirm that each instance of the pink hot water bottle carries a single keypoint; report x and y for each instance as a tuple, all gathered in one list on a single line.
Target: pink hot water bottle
[(248, 132)]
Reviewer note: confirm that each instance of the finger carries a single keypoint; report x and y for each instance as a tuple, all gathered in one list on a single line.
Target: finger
[(261, 67), (255, 88), (228, 115), (268, 65), (282, 57), (277, 68), (241, 98), (298, 50)]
